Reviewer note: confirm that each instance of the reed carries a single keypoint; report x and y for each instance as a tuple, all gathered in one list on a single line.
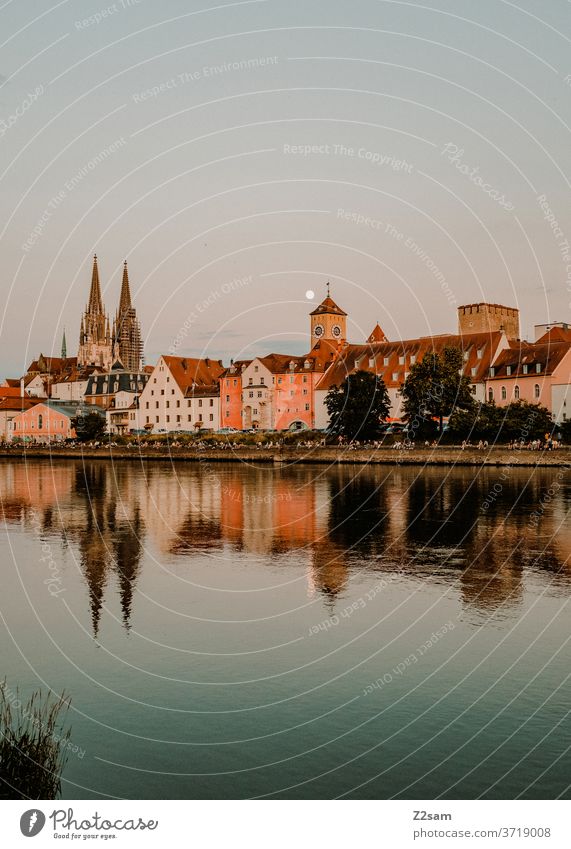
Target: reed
[(33, 744)]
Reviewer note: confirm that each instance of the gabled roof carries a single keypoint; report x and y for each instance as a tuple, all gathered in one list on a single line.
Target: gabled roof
[(328, 307), (377, 335), (18, 404), (383, 358), (547, 354), (10, 391), (52, 365), (191, 372), (235, 369), (556, 334), (11, 381)]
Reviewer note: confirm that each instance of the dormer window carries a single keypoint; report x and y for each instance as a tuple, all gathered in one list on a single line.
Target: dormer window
[(492, 371), (371, 362), (385, 361), (412, 359), (292, 365), (480, 353), (508, 370), (525, 368), (307, 364), (466, 355), (401, 360), (538, 368)]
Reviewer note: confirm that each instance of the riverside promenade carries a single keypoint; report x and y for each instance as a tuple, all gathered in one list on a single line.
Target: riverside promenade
[(421, 456)]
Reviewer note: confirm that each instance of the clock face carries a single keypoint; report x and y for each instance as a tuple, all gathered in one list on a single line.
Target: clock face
[(336, 330), (318, 330)]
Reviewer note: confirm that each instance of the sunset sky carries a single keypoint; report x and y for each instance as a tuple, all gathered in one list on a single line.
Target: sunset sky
[(239, 155)]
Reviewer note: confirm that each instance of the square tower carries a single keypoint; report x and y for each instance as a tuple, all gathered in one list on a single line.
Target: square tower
[(487, 318)]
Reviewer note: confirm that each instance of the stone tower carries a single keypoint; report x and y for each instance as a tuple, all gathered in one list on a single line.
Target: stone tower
[(328, 322), (95, 345), (127, 343), (486, 318)]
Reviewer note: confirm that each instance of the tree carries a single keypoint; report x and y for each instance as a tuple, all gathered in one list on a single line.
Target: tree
[(88, 426), (518, 421), (434, 388), (358, 407)]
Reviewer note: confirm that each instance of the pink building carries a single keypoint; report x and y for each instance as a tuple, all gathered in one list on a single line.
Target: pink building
[(537, 372), (44, 422)]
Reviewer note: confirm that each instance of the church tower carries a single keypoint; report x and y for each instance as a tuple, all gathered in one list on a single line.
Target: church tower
[(95, 345), (328, 322), (127, 343)]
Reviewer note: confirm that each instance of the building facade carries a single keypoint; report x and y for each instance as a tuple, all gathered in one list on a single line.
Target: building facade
[(95, 342), (182, 394)]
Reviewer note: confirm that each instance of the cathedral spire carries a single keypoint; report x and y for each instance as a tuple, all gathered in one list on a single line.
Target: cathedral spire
[(63, 346), (95, 305), (125, 299)]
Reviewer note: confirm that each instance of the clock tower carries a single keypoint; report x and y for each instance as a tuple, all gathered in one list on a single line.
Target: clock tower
[(328, 322)]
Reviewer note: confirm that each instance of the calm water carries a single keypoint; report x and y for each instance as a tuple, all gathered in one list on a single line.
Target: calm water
[(221, 628)]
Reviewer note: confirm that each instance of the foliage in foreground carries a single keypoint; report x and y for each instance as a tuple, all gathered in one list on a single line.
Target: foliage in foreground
[(32, 746), (88, 427), (358, 407), (519, 420)]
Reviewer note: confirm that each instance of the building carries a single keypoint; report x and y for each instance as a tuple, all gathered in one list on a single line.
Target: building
[(95, 342), (44, 422), (117, 392), (182, 394), (277, 391), (488, 318), (392, 361), (537, 372), (127, 343), (9, 409)]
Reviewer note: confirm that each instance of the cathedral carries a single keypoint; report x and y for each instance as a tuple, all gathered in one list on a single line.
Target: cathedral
[(98, 345)]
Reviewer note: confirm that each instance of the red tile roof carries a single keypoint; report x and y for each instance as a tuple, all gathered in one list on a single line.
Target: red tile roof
[(384, 358), (547, 354), (194, 374), (328, 306)]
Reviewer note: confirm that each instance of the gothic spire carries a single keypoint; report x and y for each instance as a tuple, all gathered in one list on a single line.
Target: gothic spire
[(125, 299), (95, 305), (63, 346)]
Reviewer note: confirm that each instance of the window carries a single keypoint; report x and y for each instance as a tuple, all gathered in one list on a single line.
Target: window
[(305, 391), (157, 419), (168, 418), (262, 380), (255, 368), (474, 371), (147, 422), (211, 417), (371, 362), (291, 378), (178, 403), (157, 405), (395, 375), (307, 406), (538, 368), (211, 402), (200, 402), (255, 412), (235, 383), (188, 403), (279, 380), (152, 391), (516, 392), (490, 395), (147, 405), (508, 370), (504, 393), (162, 391), (200, 417), (228, 383), (172, 391), (227, 414), (227, 399), (536, 390), (412, 359), (167, 405), (492, 371), (250, 394), (525, 368), (480, 353), (401, 360), (178, 418), (189, 418), (304, 378), (250, 381), (259, 394), (385, 361)]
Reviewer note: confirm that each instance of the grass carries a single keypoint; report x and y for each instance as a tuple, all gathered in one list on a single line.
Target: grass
[(33, 750)]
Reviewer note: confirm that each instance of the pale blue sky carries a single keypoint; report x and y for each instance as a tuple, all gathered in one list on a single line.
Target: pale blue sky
[(201, 186)]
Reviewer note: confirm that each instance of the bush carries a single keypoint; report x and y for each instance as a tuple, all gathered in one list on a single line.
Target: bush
[(32, 752), (517, 421)]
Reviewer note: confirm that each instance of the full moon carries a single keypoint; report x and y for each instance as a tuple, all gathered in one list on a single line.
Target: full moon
[(310, 294)]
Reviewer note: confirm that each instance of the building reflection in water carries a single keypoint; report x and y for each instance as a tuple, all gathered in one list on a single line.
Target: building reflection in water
[(338, 521)]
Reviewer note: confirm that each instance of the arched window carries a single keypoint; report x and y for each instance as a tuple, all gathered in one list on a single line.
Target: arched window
[(504, 393), (536, 391), (516, 392), (490, 395), (40, 422)]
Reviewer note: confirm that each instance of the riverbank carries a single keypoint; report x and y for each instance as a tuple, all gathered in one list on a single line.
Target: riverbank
[(433, 456)]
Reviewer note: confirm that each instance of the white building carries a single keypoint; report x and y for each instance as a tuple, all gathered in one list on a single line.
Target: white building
[(182, 394)]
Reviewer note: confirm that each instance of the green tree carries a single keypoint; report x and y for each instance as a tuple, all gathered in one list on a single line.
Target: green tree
[(434, 388), (358, 407), (519, 420), (89, 426)]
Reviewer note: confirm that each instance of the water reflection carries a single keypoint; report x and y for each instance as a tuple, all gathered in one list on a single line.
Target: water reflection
[(462, 527)]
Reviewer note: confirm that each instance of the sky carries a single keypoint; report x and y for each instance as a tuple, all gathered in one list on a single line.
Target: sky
[(239, 155)]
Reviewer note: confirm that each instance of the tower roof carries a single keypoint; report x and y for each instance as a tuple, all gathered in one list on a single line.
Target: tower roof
[(95, 304), (377, 335), (328, 307), (125, 299)]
